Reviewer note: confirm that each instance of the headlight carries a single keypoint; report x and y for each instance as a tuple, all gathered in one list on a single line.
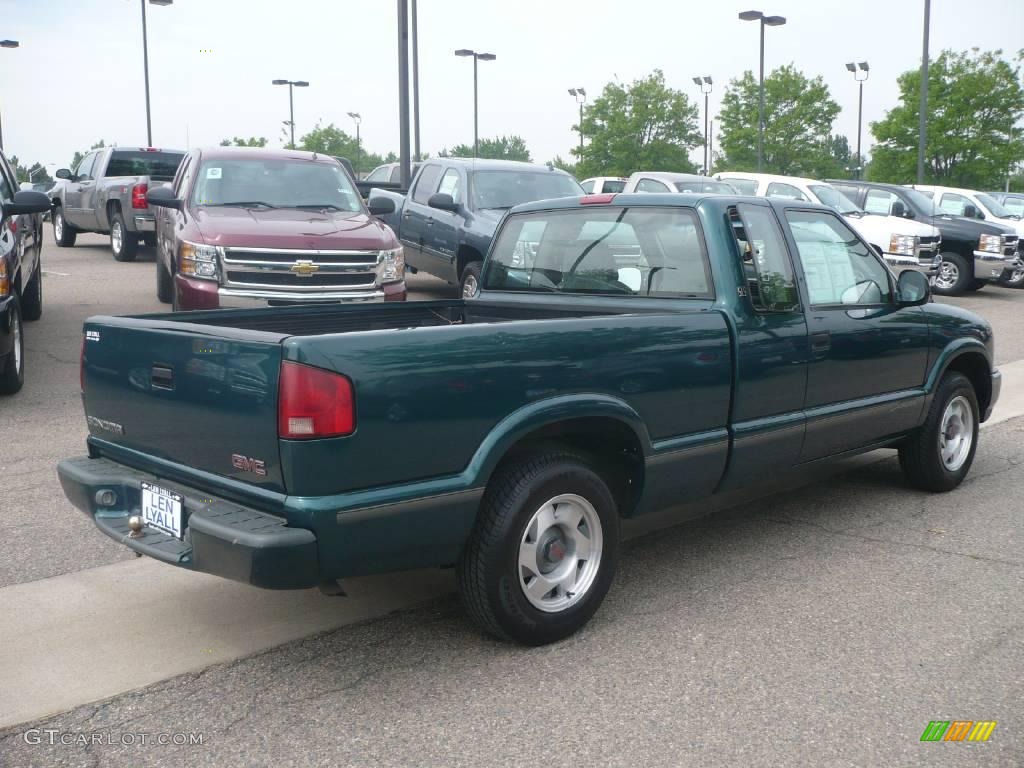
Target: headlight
[(904, 245), (391, 265), (196, 260), (990, 244)]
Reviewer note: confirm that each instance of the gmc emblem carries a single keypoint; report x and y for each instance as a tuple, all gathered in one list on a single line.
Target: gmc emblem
[(247, 464)]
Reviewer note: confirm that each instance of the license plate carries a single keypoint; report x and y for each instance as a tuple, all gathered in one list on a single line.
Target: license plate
[(161, 509)]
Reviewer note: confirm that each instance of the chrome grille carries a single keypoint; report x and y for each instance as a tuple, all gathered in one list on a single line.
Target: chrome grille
[(298, 271), (1010, 244)]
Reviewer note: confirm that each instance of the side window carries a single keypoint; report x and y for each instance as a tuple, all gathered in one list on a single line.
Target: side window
[(954, 204), (767, 266), (426, 183), (650, 185), (1014, 205), (380, 173), (743, 186), (613, 186), (185, 182), (184, 175), (588, 186), (450, 185), (84, 170), (396, 175), (787, 191), (880, 201), (839, 268)]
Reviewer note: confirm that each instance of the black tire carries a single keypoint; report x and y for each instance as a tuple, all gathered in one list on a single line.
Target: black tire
[(490, 577), (32, 295), (164, 283), (63, 234), (1012, 278), (12, 375), (470, 280), (149, 239), (976, 285), (955, 275), (921, 454), (123, 244)]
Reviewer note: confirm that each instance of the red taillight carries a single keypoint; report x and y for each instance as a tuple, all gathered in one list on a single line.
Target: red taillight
[(139, 196), (597, 199), (312, 403)]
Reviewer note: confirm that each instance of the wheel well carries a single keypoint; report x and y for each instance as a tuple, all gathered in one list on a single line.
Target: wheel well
[(464, 256), (975, 367), (112, 205), (608, 445)]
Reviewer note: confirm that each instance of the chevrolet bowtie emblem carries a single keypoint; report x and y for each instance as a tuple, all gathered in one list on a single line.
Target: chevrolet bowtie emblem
[(304, 268)]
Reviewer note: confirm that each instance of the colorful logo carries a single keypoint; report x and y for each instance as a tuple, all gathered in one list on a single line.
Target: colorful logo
[(958, 730)]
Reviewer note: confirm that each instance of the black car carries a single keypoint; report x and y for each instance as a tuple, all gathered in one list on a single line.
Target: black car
[(973, 252), (21, 273)]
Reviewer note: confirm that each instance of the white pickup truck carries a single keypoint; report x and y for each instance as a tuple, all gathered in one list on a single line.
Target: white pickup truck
[(972, 204), (904, 244)]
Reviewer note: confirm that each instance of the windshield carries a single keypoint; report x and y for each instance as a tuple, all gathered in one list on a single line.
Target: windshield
[(505, 189), (833, 198), (157, 165), (924, 203), (714, 187), (743, 186), (275, 183), (994, 206)]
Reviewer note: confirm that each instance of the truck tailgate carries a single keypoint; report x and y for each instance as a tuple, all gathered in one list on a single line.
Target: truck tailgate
[(199, 396)]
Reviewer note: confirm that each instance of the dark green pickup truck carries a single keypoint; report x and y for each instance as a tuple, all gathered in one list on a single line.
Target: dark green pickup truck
[(626, 354)]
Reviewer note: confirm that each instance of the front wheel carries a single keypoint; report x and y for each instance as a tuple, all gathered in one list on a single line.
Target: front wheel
[(543, 552), (123, 244), (471, 280), (63, 234), (954, 277), (32, 296), (1013, 278), (12, 375), (938, 457)]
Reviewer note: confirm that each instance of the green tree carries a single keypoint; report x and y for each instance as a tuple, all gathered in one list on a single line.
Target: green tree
[(798, 116), (565, 165), (332, 140), (498, 148), (79, 155), (252, 141), (975, 104), (641, 126)]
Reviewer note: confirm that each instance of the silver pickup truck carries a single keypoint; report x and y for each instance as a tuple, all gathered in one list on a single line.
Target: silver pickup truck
[(106, 193)]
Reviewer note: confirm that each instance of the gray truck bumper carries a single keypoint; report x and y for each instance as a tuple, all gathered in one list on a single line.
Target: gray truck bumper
[(144, 223), (990, 266), (221, 537)]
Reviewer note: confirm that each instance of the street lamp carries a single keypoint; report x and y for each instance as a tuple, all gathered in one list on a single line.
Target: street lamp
[(580, 94), (476, 57), (37, 169), (704, 83), (6, 44), (358, 119), (291, 101), (145, 66), (858, 68), (766, 21)]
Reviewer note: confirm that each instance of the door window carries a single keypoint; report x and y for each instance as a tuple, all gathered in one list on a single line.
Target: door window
[(380, 173), (426, 183), (954, 204), (588, 186), (450, 185), (880, 201), (785, 191), (650, 185), (766, 263), (184, 177), (84, 170), (1014, 205), (613, 186), (840, 269)]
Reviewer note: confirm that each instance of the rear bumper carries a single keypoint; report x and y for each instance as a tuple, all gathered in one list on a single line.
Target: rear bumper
[(144, 223), (207, 294), (997, 385), (221, 537), (990, 266)]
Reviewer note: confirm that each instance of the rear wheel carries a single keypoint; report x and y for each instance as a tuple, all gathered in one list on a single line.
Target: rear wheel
[(124, 244), (12, 376), (471, 280), (32, 296), (939, 456), (543, 552), (977, 285), (63, 234), (954, 277)]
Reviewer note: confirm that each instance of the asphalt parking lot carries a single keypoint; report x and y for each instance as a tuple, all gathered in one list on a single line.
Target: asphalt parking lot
[(821, 623)]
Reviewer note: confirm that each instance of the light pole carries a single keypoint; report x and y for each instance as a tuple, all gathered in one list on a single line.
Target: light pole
[(858, 68), (6, 44), (766, 21), (415, 81), (580, 94), (291, 101), (358, 119), (704, 83), (37, 169), (145, 66), (476, 112), (923, 126)]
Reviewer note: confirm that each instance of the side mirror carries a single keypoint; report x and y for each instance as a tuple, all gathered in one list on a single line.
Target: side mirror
[(381, 206), (443, 202), (64, 173), (912, 289), (27, 201), (163, 197), (898, 209), (970, 211)]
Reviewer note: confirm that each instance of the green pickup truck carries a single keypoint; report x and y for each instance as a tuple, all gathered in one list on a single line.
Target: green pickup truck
[(627, 353)]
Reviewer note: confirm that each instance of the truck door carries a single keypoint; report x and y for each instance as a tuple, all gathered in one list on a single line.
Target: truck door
[(441, 240), (772, 352), (73, 190), (869, 355), (90, 190), (418, 218)]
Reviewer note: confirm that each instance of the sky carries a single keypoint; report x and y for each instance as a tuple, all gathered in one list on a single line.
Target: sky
[(78, 75)]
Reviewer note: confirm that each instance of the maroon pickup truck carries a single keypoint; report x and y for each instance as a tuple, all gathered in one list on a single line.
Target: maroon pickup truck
[(242, 227)]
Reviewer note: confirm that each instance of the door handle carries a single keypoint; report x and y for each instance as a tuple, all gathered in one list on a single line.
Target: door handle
[(821, 341), (430, 222), (162, 377)]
